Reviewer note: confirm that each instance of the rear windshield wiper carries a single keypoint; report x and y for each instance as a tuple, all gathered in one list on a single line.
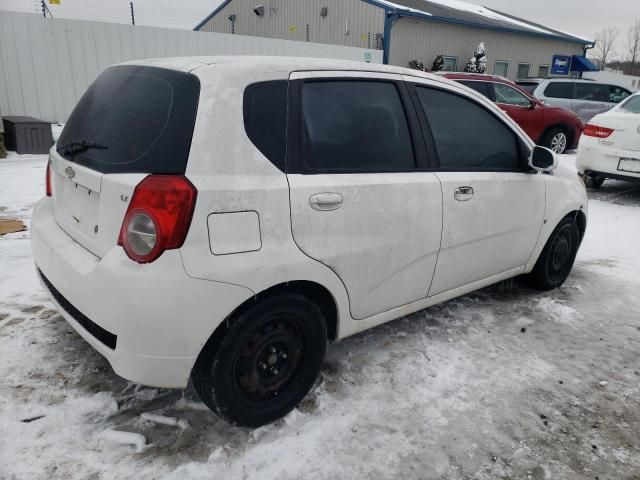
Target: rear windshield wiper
[(72, 148)]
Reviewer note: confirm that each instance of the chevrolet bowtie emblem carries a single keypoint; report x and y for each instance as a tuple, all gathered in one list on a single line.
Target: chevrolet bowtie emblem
[(70, 172)]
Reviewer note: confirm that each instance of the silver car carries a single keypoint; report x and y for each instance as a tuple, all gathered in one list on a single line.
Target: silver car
[(586, 98)]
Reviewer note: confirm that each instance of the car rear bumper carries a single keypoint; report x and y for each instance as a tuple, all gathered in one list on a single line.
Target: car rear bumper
[(605, 161), (149, 321)]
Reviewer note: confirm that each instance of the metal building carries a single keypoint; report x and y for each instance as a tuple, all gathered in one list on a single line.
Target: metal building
[(405, 30)]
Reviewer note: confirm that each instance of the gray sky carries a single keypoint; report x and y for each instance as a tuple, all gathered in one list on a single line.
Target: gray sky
[(581, 17)]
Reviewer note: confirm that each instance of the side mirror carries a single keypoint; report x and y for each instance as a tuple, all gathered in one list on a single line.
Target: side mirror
[(543, 160), (532, 104)]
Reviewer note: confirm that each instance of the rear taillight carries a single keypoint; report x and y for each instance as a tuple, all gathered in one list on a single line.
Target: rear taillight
[(48, 179), (158, 217), (591, 130)]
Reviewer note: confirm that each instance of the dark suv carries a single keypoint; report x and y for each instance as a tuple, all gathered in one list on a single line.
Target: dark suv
[(551, 127)]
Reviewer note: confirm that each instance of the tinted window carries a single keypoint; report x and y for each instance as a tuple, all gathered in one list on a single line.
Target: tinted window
[(632, 105), (594, 92), (528, 86), (265, 118), (144, 116), (559, 90), (617, 94), (510, 96), (467, 136), (355, 126), (480, 87)]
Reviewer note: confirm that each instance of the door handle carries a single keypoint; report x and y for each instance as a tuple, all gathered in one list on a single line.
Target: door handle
[(325, 202), (463, 194)]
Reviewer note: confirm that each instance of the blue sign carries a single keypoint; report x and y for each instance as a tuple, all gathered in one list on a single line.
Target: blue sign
[(561, 65)]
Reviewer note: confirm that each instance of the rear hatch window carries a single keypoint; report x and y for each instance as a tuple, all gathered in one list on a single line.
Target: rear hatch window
[(133, 119)]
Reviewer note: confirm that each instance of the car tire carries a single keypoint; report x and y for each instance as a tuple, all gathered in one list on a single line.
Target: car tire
[(556, 139), (593, 181), (556, 259), (265, 363)]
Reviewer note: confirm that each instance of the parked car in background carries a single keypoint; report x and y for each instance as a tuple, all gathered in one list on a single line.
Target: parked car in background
[(551, 127), (221, 219), (610, 145), (586, 98), (529, 84)]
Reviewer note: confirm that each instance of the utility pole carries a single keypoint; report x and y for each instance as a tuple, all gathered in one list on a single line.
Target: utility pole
[(45, 9), (133, 17)]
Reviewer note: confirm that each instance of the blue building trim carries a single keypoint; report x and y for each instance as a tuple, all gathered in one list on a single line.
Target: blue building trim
[(213, 14)]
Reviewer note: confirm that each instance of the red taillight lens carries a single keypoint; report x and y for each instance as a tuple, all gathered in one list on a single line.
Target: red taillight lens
[(158, 217), (596, 131), (48, 179)]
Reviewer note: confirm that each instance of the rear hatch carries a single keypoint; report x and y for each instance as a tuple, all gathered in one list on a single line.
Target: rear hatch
[(132, 121), (625, 120)]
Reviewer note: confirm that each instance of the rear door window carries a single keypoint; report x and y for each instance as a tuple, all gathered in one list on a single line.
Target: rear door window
[(480, 87), (632, 105), (593, 92), (133, 119), (467, 136), (355, 126), (559, 90)]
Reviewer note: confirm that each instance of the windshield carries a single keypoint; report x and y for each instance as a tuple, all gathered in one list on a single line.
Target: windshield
[(632, 105), (133, 119)]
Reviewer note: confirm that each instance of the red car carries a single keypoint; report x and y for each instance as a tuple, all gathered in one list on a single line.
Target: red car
[(552, 127)]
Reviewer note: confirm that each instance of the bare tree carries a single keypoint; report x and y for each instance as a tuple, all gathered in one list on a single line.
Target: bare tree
[(634, 44), (605, 41)]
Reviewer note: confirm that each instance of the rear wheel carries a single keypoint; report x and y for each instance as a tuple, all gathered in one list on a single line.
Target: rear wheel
[(557, 257), (556, 139), (265, 363)]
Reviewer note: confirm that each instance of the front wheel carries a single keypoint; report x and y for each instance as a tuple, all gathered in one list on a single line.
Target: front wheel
[(265, 363), (557, 257), (556, 139)]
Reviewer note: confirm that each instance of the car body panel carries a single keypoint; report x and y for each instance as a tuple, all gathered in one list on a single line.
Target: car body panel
[(165, 311)]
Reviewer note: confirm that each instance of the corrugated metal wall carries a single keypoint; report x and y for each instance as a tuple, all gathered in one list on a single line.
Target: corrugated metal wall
[(423, 40), (348, 22), (47, 64)]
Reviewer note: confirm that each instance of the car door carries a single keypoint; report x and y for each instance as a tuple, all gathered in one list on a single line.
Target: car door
[(520, 107), (362, 199), (493, 205), (590, 99)]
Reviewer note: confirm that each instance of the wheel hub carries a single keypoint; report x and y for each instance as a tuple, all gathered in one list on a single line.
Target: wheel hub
[(269, 360), (559, 143), (561, 252)]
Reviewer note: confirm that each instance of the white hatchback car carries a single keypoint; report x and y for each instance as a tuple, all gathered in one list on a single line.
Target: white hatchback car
[(610, 145), (221, 219)]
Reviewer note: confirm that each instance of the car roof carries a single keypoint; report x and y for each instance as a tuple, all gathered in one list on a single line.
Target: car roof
[(474, 77), (273, 63)]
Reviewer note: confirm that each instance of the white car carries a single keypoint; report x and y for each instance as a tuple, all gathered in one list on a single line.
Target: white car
[(221, 219), (610, 145)]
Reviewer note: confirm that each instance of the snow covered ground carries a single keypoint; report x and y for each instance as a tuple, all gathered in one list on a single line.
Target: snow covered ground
[(505, 383)]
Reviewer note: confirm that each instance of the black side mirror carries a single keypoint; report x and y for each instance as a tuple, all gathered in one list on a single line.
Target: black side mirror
[(532, 104), (543, 159)]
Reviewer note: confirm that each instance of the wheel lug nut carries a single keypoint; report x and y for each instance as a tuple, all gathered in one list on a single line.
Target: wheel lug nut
[(272, 349), (283, 355), (262, 365), (274, 370)]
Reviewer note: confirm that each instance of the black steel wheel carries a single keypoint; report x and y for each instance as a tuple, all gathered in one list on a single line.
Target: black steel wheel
[(557, 257), (265, 363)]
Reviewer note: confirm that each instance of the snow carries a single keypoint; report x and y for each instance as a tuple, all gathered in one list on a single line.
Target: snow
[(503, 383), (471, 8)]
